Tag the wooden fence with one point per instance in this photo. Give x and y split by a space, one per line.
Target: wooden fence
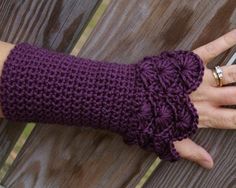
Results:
60 156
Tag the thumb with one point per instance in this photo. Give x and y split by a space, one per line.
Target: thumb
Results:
194 152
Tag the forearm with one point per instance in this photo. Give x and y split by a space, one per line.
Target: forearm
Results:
146 102
5 49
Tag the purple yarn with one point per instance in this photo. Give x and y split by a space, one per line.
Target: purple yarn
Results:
147 103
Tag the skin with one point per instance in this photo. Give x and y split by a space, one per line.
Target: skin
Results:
207 99
5 49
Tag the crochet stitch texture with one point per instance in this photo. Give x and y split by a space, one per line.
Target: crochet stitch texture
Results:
147 103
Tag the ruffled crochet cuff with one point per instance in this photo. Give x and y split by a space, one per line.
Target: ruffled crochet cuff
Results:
163 111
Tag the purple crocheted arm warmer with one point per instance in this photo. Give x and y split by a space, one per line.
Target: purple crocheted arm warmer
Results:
147 102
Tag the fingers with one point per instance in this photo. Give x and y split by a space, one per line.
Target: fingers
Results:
222 118
194 152
216 47
217 117
223 95
229 74
211 114
209 78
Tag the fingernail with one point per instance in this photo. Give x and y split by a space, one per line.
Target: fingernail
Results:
208 163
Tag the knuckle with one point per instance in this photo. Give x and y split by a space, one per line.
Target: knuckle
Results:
209 119
226 100
190 155
227 39
216 120
205 121
233 121
210 49
209 122
231 75
196 155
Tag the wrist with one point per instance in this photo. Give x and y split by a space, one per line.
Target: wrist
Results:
164 112
5 49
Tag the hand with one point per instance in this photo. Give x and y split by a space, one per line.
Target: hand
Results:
208 99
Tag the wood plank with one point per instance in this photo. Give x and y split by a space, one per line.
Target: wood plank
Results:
54 24
128 31
63 156
9 133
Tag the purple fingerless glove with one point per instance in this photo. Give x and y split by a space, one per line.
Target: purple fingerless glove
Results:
147 103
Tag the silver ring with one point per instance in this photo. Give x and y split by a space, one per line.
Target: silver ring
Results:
219 73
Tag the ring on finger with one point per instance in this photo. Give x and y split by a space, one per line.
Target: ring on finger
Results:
218 75
215 76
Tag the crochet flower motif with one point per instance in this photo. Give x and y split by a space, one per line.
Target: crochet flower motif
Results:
166 113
